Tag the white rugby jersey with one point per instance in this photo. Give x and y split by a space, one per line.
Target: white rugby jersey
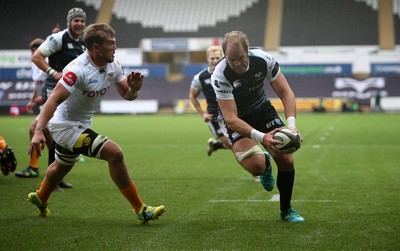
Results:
38 74
87 84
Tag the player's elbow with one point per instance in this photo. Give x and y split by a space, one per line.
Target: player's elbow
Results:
36 57
230 122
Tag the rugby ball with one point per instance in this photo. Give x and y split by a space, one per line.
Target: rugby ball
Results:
290 140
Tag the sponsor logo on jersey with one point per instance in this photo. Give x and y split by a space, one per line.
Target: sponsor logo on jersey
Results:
220 83
258 76
235 135
275 69
95 93
91 81
224 91
70 78
110 76
256 87
216 83
237 84
276 121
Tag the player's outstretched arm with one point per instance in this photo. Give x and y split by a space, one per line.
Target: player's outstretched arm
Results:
58 95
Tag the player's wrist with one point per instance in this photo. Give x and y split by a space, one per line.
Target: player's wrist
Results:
135 93
40 129
291 122
257 135
51 72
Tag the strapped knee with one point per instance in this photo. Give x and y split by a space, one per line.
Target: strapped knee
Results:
254 150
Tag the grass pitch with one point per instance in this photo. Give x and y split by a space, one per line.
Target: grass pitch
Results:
346 188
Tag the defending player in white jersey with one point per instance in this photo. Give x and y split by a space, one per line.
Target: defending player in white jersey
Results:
51 57
73 102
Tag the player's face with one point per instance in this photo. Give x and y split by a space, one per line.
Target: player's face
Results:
213 58
237 58
107 49
77 26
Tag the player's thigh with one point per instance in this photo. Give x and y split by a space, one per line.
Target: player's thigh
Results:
243 145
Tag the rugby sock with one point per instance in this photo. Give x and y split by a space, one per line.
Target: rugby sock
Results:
267 161
3 143
34 160
218 145
285 183
133 197
44 192
52 153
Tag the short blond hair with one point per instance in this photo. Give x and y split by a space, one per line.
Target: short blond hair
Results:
214 48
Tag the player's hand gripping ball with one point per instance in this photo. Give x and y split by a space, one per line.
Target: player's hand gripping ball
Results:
291 141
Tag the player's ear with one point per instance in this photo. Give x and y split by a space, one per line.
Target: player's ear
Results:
96 47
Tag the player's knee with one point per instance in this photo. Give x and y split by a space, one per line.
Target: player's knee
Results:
254 150
225 142
285 162
254 165
112 152
117 154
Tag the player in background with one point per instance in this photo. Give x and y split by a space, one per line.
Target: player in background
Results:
51 57
8 162
38 77
202 83
249 117
68 115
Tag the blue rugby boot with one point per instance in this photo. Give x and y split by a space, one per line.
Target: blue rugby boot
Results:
291 216
267 179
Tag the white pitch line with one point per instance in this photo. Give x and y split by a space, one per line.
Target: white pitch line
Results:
262 201
275 198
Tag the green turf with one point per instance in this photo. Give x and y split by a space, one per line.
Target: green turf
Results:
347 188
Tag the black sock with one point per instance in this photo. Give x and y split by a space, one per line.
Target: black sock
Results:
267 161
285 183
52 153
218 145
